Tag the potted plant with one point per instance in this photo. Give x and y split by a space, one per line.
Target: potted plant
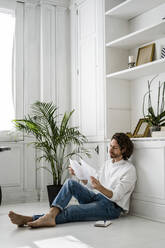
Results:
155 118
56 140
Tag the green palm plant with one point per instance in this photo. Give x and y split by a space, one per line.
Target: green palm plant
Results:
52 137
155 118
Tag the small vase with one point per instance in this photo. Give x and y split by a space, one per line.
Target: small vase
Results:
154 129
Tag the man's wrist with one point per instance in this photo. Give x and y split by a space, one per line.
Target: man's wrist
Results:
84 181
105 191
100 188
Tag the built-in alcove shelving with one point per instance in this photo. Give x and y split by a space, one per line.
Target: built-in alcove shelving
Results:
130 25
139 37
129 9
155 67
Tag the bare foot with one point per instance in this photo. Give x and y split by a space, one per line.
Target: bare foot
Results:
18 219
47 220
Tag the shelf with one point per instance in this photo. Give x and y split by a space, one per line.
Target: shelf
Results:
131 8
148 139
151 68
140 37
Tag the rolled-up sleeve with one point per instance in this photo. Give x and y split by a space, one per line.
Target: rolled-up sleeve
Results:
125 185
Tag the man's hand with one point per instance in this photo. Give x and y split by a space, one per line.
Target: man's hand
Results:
95 183
71 171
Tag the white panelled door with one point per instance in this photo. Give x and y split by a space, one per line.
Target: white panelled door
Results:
88 67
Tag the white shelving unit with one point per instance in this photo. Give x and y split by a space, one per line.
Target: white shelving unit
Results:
140 71
139 37
129 9
128 26
125 32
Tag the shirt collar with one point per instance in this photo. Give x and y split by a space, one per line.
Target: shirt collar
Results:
122 161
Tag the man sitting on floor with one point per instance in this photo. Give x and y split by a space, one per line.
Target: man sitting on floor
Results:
114 186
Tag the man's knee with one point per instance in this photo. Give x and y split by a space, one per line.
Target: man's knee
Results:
71 183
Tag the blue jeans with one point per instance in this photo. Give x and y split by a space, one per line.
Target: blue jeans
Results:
91 207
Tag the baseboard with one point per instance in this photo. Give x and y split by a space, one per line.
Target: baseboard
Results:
44 197
18 196
148 210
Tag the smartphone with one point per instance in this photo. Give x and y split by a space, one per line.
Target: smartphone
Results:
102 223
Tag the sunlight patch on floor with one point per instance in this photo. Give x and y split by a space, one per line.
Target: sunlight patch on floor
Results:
25 247
62 242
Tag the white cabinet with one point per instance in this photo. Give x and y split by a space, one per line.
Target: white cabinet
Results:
18 173
148 199
87 94
129 25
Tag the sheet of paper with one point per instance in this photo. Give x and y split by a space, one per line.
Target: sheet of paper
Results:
90 171
83 171
78 170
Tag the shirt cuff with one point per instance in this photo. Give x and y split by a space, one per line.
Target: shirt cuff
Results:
113 195
89 186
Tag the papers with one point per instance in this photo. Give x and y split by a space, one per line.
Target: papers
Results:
83 171
90 171
78 170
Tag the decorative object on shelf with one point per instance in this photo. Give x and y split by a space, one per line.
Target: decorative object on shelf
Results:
141 130
162 53
162 129
161 133
131 62
145 54
153 130
129 134
55 138
156 134
155 119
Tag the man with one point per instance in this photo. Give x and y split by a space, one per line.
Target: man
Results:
113 187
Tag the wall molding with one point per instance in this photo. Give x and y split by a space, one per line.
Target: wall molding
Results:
147 198
148 210
62 3
17 195
76 2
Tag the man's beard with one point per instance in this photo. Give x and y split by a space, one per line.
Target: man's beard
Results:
112 155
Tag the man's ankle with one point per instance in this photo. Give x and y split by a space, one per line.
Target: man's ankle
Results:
54 211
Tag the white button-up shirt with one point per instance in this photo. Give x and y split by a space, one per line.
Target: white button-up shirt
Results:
120 178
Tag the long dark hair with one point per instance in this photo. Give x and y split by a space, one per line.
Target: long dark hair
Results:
124 142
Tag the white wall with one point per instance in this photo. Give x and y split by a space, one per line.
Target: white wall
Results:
8 4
